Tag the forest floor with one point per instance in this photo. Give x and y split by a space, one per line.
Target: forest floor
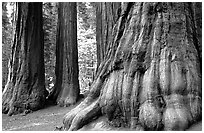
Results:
49 118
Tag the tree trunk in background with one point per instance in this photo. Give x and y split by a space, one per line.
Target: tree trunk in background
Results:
25 88
66 90
151 75
106 17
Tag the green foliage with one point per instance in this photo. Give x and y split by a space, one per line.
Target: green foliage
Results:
82 13
50 29
87 12
86 44
7 36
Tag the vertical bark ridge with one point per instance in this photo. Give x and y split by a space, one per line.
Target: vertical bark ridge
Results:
126 95
110 100
120 87
96 88
103 96
164 70
135 100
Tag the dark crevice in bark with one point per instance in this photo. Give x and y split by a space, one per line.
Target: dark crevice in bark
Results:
123 21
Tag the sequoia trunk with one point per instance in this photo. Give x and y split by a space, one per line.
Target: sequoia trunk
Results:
106 17
25 88
151 75
66 89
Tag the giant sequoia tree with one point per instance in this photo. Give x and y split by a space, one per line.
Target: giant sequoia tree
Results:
151 74
66 90
25 88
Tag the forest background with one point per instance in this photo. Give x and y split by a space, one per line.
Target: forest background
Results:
86 28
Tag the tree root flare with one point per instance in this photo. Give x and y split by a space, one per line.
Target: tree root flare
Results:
82 114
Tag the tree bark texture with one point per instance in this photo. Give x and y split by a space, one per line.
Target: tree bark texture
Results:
197 17
151 76
106 17
25 88
66 90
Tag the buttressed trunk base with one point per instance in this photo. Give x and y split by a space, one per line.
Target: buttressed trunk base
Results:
151 75
25 89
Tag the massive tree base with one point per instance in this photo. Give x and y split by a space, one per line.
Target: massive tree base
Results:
15 101
178 113
25 88
150 78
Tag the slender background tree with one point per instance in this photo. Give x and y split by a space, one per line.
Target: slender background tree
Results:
66 90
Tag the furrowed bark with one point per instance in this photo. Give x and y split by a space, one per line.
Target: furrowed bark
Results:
25 88
66 90
151 74
106 16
